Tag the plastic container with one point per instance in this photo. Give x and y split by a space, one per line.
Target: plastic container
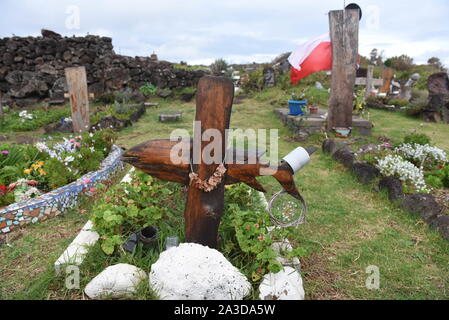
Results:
297 159
296 107
148 236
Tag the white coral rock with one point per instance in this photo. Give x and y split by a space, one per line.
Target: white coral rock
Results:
117 281
195 272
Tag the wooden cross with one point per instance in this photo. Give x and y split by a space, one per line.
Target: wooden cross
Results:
204 206
369 81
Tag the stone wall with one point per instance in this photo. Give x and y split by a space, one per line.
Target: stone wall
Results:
32 68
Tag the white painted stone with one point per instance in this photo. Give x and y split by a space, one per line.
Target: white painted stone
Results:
284 285
77 250
195 272
117 281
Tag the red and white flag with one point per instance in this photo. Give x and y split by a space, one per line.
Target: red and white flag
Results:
313 56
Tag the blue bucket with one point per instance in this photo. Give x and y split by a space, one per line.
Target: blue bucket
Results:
296 107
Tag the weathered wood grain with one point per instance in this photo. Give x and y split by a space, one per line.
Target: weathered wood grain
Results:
79 99
344 31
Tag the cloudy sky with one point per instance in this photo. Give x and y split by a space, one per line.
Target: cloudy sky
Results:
240 31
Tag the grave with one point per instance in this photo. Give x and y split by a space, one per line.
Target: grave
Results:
313 123
206 181
170 117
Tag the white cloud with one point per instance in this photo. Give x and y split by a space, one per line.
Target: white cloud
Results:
237 30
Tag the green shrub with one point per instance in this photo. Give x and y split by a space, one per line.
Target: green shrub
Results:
57 174
148 89
434 182
106 98
126 208
418 138
416 107
254 82
398 102
439 178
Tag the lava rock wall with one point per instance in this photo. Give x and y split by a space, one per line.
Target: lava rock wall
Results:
32 68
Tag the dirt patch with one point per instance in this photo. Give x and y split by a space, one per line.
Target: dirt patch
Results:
324 281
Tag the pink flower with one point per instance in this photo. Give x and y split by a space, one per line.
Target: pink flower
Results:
5 152
87 181
130 202
77 144
72 140
32 182
92 190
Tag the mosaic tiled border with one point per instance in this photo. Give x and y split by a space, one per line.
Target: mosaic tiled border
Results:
53 203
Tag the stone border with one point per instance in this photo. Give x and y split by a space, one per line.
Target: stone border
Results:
423 205
57 201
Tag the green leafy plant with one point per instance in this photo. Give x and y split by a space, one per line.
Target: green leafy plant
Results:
148 89
126 208
244 229
419 138
398 102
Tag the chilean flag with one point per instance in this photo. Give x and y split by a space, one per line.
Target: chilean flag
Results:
313 56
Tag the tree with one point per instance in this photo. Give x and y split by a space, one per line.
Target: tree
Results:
436 62
401 63
219 67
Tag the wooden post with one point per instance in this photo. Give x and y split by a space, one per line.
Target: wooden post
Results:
204 209
344 31
79 99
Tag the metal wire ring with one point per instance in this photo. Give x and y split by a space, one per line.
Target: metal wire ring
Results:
296 222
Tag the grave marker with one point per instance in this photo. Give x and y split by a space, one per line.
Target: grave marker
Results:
79 98
206 181
344 31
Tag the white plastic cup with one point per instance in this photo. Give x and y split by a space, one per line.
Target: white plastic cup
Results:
297 159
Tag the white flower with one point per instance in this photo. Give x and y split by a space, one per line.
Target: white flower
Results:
25 115
394 165
422 153
69 159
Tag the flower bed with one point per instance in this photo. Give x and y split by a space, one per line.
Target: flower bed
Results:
54 202
412 172
28 171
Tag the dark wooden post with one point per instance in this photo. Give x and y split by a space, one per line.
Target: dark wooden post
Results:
344 32
204 209
79 99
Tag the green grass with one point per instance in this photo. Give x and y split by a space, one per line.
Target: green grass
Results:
12 122
349 227
28 262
